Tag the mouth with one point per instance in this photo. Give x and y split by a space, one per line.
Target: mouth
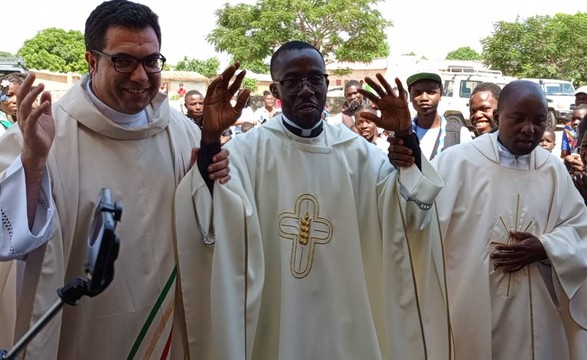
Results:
136 91
307 107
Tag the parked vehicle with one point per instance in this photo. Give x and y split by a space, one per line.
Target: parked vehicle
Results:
560 95
458 84
12 64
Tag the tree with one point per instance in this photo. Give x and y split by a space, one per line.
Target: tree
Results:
540 47
55 50
6 54
250 84
208 68
464 53
343 30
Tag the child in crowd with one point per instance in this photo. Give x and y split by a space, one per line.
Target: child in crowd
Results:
548 139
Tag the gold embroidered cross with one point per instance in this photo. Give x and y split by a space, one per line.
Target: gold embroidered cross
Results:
305 228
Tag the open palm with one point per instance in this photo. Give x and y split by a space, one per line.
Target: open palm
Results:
219 114
36 124
395 114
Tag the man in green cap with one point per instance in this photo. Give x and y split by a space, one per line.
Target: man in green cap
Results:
433 130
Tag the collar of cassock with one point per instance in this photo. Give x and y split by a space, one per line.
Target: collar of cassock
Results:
306 133
507 159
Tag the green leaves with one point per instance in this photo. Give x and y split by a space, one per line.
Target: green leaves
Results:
55 50
540 47
464 53
343 30
208 68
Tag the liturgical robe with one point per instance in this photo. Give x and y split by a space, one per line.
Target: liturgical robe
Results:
535 313
142 167
311 259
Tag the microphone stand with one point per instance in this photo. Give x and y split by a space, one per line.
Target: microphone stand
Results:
72 292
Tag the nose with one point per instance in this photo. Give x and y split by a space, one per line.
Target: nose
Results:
305 89
139 74
528 128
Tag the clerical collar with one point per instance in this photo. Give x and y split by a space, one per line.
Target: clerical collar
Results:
306 133
509 160
127 121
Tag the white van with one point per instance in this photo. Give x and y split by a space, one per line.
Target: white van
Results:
560 95
458 85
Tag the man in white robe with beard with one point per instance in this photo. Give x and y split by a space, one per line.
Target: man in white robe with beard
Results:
515 237
311 258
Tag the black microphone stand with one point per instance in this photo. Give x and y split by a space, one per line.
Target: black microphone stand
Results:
72 292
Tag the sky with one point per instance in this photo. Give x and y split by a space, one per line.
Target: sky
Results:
430 28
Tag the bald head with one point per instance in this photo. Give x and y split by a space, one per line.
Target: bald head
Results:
521 88
521 114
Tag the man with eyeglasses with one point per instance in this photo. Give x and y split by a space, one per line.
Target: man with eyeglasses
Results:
113 129
311 259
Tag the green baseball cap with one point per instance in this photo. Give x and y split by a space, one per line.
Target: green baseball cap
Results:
424 76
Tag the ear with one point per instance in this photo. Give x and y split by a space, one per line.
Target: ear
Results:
274 91
92 62
496 117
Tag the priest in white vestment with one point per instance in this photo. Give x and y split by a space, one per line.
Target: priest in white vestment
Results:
310 259
113 129
515 238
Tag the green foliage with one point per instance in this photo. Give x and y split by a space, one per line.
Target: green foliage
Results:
250 84
55 50
343 30
208 68
540 47
464 53
6 54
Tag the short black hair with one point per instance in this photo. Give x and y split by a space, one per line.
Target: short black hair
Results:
551 131
191 93
121 13
288 46
493 88
352 83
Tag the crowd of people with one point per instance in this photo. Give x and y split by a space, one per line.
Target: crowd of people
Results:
285 233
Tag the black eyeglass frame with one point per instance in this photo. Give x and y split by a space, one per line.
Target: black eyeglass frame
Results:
115 58
300 81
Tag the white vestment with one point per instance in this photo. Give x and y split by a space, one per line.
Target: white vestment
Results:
311 259
534 313
142 167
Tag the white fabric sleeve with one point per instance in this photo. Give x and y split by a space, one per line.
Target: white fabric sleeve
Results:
418 190
16 239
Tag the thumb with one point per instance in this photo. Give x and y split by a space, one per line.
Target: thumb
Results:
194 157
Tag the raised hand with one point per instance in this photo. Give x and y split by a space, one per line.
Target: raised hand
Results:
395 114
219 114
36 124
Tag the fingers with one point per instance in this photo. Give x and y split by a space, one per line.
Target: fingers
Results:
229 72
237 83
219 168
385 84
371 117
194 156
241 101
400 88
368 95
375 87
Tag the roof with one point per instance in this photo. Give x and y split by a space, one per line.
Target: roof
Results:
183 76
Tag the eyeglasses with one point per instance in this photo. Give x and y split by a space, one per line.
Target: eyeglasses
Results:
126 64
296 83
